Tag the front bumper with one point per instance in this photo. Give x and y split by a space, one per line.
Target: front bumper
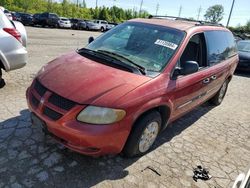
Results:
93 140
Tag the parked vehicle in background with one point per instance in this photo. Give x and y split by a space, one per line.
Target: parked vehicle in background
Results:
13 54
98 25
244 55
74 23
36 19
47 19
110 26
120 91
64 22
14 16
7 13
26 19
82 25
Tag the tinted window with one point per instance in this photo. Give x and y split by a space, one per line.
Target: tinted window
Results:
53 16
221 46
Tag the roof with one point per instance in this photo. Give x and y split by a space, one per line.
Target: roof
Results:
177 24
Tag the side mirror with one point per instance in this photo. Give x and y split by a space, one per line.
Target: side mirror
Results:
91 39
188 67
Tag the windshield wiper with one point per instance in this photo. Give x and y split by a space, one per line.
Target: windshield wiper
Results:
141 68
109 60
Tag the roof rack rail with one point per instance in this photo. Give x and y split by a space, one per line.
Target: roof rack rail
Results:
198 22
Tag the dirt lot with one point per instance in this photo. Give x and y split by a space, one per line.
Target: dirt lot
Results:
216 138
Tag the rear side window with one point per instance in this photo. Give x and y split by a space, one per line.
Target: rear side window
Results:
4 21
232 44
221 46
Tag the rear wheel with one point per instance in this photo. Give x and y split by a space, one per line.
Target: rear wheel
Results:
143 134
87 28
102 29
218 98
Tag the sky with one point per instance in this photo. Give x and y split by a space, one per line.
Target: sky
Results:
240 14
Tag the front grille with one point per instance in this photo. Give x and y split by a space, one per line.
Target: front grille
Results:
61 102
50 98
34 100
52 114
40 89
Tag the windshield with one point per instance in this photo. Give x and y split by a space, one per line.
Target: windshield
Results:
146 45
244 46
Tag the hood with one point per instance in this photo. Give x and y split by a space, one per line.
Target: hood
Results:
88 82
244 55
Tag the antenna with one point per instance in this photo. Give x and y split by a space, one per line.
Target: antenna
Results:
180 9
157 8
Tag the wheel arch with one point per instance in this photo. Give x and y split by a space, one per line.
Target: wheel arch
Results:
164 111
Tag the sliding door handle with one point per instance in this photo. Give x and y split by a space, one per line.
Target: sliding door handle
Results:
213 77
206 81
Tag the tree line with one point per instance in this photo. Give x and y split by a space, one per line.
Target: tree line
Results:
71 10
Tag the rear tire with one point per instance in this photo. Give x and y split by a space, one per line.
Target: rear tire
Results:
218 98
143 134
102 29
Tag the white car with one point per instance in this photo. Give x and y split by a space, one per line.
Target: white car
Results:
242 181
64 23
7 13
13 39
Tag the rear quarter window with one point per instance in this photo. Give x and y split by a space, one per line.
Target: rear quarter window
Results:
221 46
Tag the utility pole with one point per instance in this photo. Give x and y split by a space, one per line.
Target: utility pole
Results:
77 3
96 3
140 8
179 15
157 8
199 13
230 13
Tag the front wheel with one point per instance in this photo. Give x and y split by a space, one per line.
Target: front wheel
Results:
218 98
2 82
143 134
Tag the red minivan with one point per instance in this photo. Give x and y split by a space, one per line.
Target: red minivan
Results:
116 94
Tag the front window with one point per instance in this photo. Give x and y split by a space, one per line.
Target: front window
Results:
147 45
244 46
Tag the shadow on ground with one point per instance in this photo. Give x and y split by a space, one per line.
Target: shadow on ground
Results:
34 160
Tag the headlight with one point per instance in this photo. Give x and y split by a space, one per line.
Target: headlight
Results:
100 115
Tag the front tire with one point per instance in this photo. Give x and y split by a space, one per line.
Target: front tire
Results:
2 82
218 98
143 134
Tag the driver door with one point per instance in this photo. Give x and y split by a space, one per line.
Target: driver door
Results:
191 89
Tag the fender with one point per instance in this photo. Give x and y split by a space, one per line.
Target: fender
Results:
154 103
4 61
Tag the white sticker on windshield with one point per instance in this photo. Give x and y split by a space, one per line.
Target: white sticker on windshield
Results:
166 44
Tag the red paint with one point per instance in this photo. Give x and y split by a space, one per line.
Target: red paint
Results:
90 83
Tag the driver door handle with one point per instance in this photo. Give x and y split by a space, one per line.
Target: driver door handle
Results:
206 81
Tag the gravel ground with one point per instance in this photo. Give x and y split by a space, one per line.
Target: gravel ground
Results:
216 138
